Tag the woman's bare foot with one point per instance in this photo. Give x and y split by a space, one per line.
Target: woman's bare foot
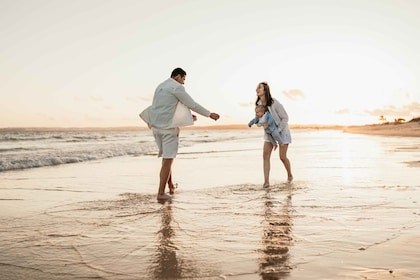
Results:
163 197
266 185
289 179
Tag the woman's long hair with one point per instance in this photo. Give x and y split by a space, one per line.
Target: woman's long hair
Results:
268 97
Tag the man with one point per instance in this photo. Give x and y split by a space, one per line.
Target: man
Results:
167 95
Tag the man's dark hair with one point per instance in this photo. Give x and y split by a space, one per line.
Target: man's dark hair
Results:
178 71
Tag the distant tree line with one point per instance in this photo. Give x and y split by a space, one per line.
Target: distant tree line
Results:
398 120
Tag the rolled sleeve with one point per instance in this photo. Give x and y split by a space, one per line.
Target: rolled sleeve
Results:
187 100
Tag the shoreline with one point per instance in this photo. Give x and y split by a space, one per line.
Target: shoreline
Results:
408 129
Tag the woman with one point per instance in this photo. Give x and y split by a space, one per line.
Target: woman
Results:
281 119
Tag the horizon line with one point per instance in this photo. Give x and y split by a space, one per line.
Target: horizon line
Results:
141 128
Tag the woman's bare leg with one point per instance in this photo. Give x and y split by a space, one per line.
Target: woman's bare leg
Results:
268 147
286 161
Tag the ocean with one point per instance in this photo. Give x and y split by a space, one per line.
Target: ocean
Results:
24 149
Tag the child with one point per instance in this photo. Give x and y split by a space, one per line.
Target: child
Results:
265 119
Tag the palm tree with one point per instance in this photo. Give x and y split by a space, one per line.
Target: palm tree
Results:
382 119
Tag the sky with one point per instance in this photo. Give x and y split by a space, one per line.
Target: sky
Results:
96 63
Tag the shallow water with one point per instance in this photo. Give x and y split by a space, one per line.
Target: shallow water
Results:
352 212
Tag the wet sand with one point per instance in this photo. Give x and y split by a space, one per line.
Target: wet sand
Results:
347 215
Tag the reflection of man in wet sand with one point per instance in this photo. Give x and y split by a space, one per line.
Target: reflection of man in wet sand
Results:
166 264
276 239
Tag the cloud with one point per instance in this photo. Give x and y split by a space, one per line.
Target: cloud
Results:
246 104
412 109
97 98
294 94
137 99
343 111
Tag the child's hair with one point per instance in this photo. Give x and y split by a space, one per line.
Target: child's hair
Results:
261 107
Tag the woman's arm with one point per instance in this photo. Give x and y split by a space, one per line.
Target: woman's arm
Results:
281 113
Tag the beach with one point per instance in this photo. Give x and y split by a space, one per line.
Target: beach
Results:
409 129
352 211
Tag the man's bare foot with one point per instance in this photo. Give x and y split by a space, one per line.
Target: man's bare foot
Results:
163 197
172 188
289 179
266 185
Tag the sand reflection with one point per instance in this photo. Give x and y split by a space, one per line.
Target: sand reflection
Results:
166 263
276 239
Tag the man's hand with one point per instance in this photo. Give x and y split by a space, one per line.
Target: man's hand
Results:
214 116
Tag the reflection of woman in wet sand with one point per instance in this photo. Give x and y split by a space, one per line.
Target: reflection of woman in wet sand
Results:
277 239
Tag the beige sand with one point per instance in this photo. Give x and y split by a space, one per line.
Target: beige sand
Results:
410 129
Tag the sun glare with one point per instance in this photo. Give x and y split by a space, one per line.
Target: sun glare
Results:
335 69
